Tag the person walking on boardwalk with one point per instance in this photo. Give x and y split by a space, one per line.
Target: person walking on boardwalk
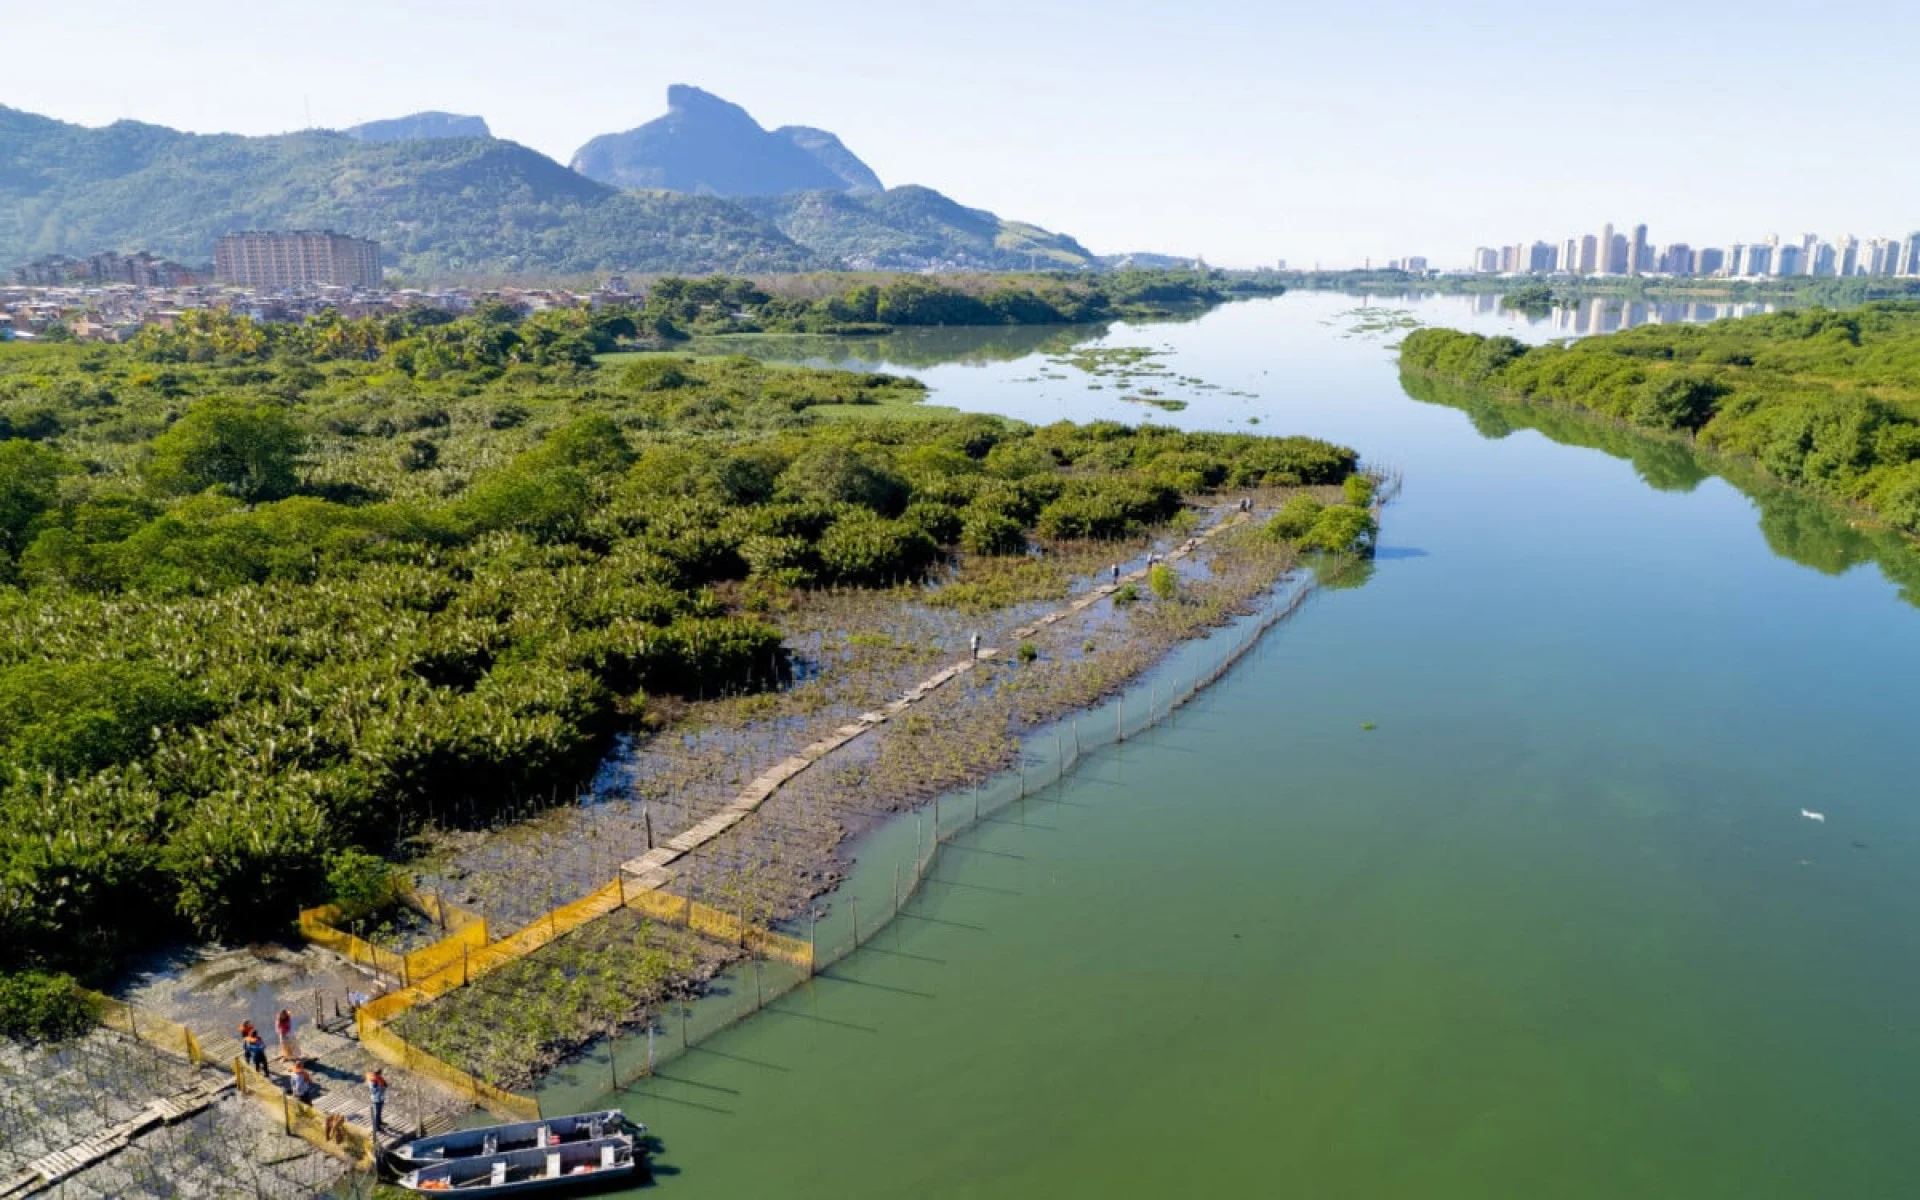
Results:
254 1048
1115 569
973 644
283 1025
377 1092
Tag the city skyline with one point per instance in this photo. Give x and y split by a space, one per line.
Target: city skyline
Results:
1631 251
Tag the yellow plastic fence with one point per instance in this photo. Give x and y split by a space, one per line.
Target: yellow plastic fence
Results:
156 1031
392 1048
465 955
316 925
720 925
468 932
303 1120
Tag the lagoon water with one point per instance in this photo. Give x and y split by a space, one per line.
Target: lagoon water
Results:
1554 927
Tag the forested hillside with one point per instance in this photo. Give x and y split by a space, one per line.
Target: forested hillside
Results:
440 206
907 228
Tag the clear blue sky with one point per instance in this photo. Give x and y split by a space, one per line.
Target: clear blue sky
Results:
1244 131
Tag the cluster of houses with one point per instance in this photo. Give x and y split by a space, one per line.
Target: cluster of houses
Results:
116 312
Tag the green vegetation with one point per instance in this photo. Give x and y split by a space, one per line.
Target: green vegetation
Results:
447 206
1307 524
37 1006
1821 400
717 306
1163 581
1533 299
273 594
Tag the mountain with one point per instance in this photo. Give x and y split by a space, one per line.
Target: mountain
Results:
456 205
421 125
833 155
707 145
438 207
915 228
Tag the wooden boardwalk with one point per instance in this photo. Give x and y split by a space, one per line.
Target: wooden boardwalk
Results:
49 1169
654 868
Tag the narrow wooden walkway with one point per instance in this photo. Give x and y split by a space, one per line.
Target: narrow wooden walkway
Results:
654 868
50 1169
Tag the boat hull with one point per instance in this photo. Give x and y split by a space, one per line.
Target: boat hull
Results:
596 1163
516 1135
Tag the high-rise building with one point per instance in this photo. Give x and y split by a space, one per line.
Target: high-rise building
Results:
1910 255
1849 256
1540 259
1486 260
1639 254
1677 259
1825 260
1788 261
1617 258
1760 258
1415 265
1603 247
1883 256
1570 255
1506 260
1809 242
1709 260
301 259
1589 255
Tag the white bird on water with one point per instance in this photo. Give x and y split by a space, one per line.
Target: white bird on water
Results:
1810 815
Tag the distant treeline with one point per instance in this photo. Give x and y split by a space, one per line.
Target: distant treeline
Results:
864 305
1823 400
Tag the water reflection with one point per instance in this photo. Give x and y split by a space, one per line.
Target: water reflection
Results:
1610 314
1796 527
932 347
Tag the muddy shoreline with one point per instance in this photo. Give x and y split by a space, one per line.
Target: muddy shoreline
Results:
780 866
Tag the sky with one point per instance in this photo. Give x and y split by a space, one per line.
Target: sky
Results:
1328 133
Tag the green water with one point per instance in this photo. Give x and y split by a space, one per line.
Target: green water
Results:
1555 927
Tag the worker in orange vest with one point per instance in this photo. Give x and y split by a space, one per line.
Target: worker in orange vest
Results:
377 1090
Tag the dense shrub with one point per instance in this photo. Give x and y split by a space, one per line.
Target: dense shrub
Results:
244 648
1295 518
38 1006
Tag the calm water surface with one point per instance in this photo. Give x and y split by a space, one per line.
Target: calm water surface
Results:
1555 927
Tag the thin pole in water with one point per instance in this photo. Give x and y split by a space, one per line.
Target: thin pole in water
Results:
855 905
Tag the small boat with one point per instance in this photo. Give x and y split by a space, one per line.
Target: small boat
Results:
596 1161
520 1135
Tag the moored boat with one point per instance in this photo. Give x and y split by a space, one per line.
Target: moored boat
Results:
519 1135
596 1161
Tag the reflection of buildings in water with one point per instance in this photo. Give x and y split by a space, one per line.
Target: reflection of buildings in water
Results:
1486 302
1611 314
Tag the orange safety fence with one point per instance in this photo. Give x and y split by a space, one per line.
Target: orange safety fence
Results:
156 1031
335 1135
